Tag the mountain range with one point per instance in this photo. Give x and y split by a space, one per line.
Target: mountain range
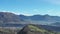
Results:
11 18
41 24
41 19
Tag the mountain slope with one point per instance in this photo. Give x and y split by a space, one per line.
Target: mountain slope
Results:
6 17
31 29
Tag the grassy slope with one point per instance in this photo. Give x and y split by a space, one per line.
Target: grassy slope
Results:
34 28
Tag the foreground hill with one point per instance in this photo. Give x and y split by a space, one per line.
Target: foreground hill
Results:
32 29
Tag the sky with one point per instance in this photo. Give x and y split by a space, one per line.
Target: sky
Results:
31 7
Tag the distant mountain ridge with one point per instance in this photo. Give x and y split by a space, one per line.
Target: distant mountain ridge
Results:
7 17
41 18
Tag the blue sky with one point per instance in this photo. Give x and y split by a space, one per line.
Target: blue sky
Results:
31 7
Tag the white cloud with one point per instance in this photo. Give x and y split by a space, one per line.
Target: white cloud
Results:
30 12
36 10
53 12
53 1
15 12
27 14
